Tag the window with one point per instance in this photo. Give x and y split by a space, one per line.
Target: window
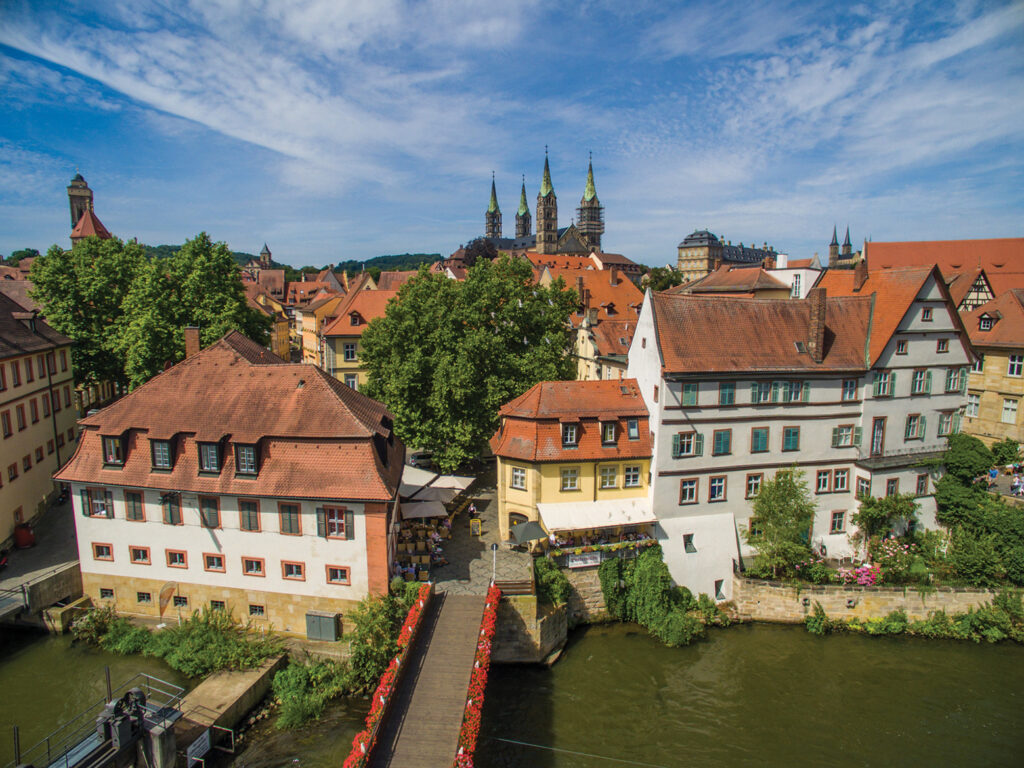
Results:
722 443
209 512
849 389
892 486
171 504
901 347
3 378
19 410
213 562
791 438
26 462
63 360
760 392
608 433
349 351
256 610
863 488
973 404
838 524
39 454
293 571
518 478
12 471
688 491
688 546
884 383
926 314
56 400
633 429
841 480
791 391
177 558
569 435
945 423
334 523
716 488
143 598
106 593
133 509
570 478
631 475
16 373
986 324
843 436
655 393
921 382
217 605
795 291
139 555
942 345
46 403
687 444
248 515
759 440
690 393
978 364
956 379
922 485
823 484
180 601
60 441
337 574
102 552
608 476
67 396
291 525
1015 366
28 370
42 365
352 381
209 457
97 502
33 409
1009 411
161 450
5 419
245 459
49 447
915 427
252 566
754 485
726 393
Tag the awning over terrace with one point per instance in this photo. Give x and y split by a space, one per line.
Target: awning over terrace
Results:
611 513
418 509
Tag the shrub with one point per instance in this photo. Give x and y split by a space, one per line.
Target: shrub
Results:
895 623
376 621
974 558
91 626
678 628
304 688
1006 452
818 623
895 557
815 570
552 583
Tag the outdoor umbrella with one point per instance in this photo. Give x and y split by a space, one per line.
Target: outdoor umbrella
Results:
528 532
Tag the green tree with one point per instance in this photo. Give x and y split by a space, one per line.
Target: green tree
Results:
1006 452
663 278
877 516
81 292
23 253
447 354
782 517
966 458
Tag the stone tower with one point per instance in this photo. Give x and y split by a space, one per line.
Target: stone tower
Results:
547 213
524 221
265 260
847 246
590 214
79 198
492 219
833 249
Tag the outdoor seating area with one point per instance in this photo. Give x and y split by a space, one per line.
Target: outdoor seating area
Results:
420 546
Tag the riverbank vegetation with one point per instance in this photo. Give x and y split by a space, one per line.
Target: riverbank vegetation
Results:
640 590
1002 619
208 641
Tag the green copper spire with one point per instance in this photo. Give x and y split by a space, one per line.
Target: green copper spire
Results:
590 192
545 184
494 197
523 207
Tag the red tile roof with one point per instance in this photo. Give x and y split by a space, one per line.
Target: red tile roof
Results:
300 294
799 264
90 225
316 436
393 280
960 284
698 333
561 261
616 302
1002 282
16 334
613 337
367 305
531 424
727 279
1008 330
1000 254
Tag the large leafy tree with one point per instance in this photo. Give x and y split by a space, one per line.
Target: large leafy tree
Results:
81 292
663 278
783 512
447 355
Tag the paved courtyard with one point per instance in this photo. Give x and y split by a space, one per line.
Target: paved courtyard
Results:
470 557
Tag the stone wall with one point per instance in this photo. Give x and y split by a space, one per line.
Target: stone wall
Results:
527 633
756 600
586 603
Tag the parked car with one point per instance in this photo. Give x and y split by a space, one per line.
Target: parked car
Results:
421 459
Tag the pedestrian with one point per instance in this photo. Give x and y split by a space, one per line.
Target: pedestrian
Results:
472 510
992 475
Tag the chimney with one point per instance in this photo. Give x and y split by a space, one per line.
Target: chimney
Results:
191 341
860 274
769 262
816 326
614 276
592 315
579 287
586 300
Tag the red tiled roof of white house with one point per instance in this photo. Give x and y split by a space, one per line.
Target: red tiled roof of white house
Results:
316 438
993 255
999 323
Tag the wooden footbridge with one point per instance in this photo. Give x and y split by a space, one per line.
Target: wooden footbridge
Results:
422 726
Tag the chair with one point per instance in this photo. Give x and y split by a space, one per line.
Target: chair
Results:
409 577
403 547
424 575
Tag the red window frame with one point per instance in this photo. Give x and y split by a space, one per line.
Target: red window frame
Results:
167 558
223 562
280 518
327 520
132 548
110 549
263 566
348 575
284 570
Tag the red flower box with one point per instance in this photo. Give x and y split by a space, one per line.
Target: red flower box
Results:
478 682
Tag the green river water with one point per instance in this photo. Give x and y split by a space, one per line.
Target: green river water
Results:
754 695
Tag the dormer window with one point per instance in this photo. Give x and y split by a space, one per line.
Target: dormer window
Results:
986 323
355 318
570 435
633 429
161 450
245 459
113 451
209 457
608 433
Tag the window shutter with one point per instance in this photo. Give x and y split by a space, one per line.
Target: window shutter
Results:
676 445
876 382
775 391
857 433
85 503
805 391
949 379
892 384
956 423
109 498
963 380
753 392
321 522
921 430
835 437
928 383
906 430
698 444
350 523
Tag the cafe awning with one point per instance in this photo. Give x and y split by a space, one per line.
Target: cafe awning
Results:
412 510
610 513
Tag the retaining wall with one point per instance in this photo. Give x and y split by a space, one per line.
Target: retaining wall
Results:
525 633
586 602
756 600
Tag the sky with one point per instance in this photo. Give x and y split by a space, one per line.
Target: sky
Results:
347 129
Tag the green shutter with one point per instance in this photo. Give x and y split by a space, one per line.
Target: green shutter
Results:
963 380
928 383
835 437
949 379
676 439
775 391
109 498
85 503
753 392
321 522
956 423
350 520
857 434
698 444
875 384
906 430
805 391
922 429
892 384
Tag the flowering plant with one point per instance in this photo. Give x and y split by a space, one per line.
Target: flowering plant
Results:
611 547
865 575
894 556
366 739
478 682
815 570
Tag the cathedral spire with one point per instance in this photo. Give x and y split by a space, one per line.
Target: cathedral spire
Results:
835 237
523 206
590 214
846 240
524 221
547 212
493 207
492 219
546 187
590 192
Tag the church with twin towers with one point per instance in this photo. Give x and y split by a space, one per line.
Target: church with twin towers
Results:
582 236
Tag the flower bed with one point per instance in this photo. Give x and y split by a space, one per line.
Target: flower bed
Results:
365 740
558 551
478 682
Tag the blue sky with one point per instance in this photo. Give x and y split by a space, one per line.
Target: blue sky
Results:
336 130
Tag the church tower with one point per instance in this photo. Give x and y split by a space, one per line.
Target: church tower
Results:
265 262
523 220
79 198
833 249
547 213
492 219
590 214
847 246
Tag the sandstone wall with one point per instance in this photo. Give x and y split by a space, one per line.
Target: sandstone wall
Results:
527 633
586 603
